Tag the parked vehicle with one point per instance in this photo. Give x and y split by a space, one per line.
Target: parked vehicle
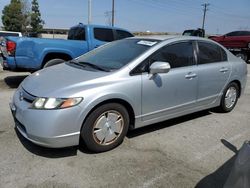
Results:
10 33
238 42
125 84
2 42
194 32
31 54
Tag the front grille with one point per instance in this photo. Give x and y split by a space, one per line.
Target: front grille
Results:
27 96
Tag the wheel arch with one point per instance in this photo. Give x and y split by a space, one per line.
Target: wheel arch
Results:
123 102
238 84
55 55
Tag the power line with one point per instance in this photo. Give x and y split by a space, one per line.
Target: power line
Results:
205 9
221 10
166 8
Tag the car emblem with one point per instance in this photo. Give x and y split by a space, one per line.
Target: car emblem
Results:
21 96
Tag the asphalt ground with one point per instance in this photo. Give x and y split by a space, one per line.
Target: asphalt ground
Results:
191 151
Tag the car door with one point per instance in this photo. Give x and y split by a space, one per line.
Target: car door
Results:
213 72
170 93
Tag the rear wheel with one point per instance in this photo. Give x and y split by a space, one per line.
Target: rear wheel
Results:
105 128
229 97
53 62
242 55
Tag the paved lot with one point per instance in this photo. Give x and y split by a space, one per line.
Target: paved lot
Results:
184 152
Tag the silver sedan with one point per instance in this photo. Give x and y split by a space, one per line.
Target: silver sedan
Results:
124 85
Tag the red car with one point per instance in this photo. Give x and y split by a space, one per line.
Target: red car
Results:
238 42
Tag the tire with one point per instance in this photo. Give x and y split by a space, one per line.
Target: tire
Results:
105 127
53 62
242 55
230 94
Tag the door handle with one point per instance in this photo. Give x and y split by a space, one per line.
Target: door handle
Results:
96 46
223 69
190 75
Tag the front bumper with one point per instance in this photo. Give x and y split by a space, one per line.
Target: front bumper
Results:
48 128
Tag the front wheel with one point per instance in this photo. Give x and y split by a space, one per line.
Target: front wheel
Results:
105 128
229 97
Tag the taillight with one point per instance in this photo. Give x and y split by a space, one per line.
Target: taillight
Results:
11 47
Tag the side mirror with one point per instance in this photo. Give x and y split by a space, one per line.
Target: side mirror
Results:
159 67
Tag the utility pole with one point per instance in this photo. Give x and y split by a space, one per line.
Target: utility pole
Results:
205 9
113 12
89 14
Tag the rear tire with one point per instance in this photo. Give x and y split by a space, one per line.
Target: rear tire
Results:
229 97
53 62
105 128
242 55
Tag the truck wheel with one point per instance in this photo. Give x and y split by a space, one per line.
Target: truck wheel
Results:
53 62
242 55
105 128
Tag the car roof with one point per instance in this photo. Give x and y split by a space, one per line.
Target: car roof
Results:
167 37
98 26
240 31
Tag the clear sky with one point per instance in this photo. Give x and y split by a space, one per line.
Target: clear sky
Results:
153 15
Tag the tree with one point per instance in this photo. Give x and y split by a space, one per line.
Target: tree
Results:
26 9
36 20
11 16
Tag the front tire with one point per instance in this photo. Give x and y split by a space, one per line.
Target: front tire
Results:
105 128
229 97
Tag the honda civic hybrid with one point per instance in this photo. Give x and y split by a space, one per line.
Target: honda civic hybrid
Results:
97 97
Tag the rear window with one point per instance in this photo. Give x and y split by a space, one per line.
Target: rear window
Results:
103 34
120 34
244 33
9 34
238 33
77 33
210 53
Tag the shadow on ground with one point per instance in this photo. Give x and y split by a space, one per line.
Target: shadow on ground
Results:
14 81
165 124
218 178
46 152
71 151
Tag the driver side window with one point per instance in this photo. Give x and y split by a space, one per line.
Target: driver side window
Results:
177 55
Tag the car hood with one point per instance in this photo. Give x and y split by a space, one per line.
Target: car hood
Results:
62 80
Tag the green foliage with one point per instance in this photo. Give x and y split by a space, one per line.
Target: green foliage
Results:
26 8
11 16
19 15
36 20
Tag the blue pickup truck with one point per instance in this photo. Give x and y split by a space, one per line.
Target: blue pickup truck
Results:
31 54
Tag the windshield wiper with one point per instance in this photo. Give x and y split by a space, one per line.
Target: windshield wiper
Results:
84 64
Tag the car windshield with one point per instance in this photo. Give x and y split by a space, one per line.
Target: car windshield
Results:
117 54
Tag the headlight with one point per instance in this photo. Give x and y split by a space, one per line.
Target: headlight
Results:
55 103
